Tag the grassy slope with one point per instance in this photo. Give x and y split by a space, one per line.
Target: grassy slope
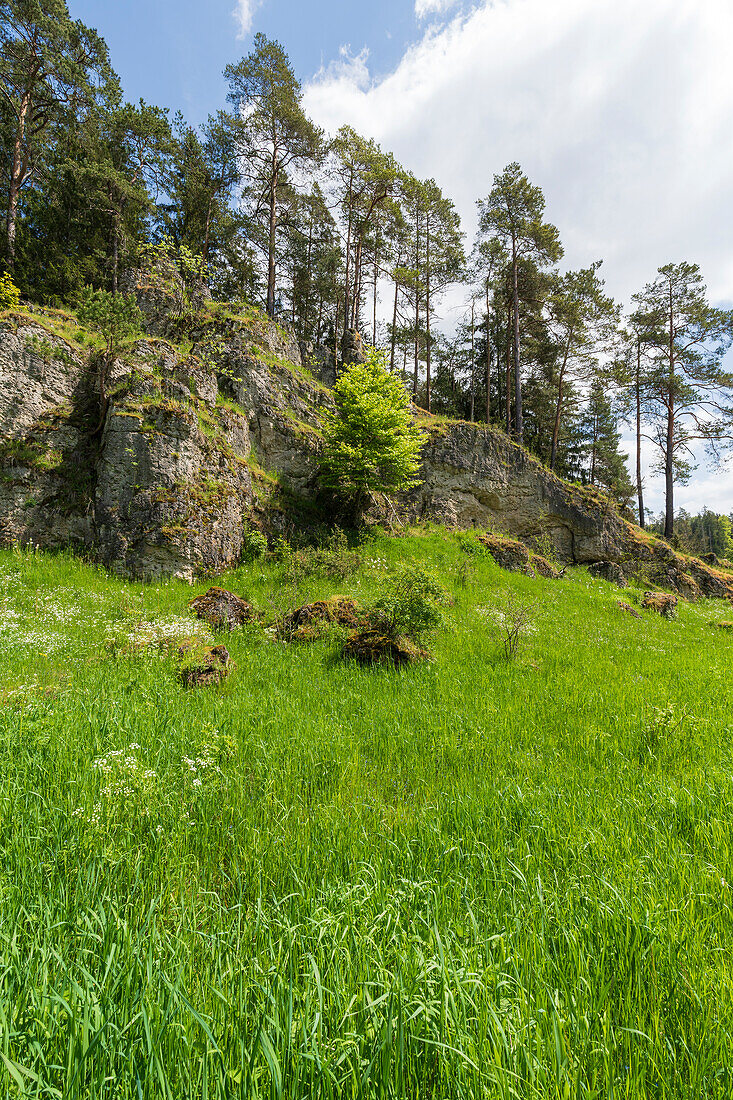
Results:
469 878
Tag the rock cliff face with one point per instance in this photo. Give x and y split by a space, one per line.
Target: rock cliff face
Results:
212 433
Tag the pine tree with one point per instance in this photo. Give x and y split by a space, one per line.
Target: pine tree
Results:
50 68
513 212
272 136
691 392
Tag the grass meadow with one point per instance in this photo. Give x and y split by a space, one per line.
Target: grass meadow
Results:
472 877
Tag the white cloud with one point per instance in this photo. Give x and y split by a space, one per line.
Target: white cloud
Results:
620 111
432 7
243 15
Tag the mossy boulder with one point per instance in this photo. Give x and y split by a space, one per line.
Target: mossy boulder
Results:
221 609
307 622
204 666
514 556
664 603
374 647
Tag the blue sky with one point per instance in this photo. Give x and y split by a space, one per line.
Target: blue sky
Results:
173 52
621 111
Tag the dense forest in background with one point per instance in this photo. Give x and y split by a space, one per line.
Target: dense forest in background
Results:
330 233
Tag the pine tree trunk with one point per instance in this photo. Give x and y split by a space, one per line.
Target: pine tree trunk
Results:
639 487
473 351
16 179
374 300
205 250
669 447
417 299
309 263
348 255
271 243
488 359
115 253
519 424
558 408
356 301
394 328
508 371
427 313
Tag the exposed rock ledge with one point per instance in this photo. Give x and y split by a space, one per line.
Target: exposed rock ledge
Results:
195 447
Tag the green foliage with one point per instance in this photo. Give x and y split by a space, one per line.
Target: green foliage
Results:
178 271
372 444
9 293
410 604
254 546
116 317
335 560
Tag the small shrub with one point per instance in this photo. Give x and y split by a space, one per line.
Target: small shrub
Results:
410 605
9 293
515 620
668 737
335 560
254 546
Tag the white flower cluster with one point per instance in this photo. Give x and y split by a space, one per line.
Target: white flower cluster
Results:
203 766
162 633
37 627
126 786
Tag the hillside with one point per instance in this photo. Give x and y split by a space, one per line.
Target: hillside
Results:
472 877
213 428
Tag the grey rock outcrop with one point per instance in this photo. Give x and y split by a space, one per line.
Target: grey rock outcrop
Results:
352 347
608 571
203 439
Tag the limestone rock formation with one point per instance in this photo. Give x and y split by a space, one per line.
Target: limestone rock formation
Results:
216 428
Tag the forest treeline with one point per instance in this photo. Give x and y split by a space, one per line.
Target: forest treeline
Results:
330 232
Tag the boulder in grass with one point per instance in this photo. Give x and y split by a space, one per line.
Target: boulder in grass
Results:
336 609
507 553
514 556
664 603
221 609
373 647
543 568
204 666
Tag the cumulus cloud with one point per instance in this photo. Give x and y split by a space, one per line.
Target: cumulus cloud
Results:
424 8
620 111
243 15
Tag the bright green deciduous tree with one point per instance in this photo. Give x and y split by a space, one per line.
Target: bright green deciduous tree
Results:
372 442
9 293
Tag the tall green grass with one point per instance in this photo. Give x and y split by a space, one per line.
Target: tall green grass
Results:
469 878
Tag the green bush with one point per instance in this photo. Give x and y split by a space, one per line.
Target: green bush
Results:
254 546
9 293
410 605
